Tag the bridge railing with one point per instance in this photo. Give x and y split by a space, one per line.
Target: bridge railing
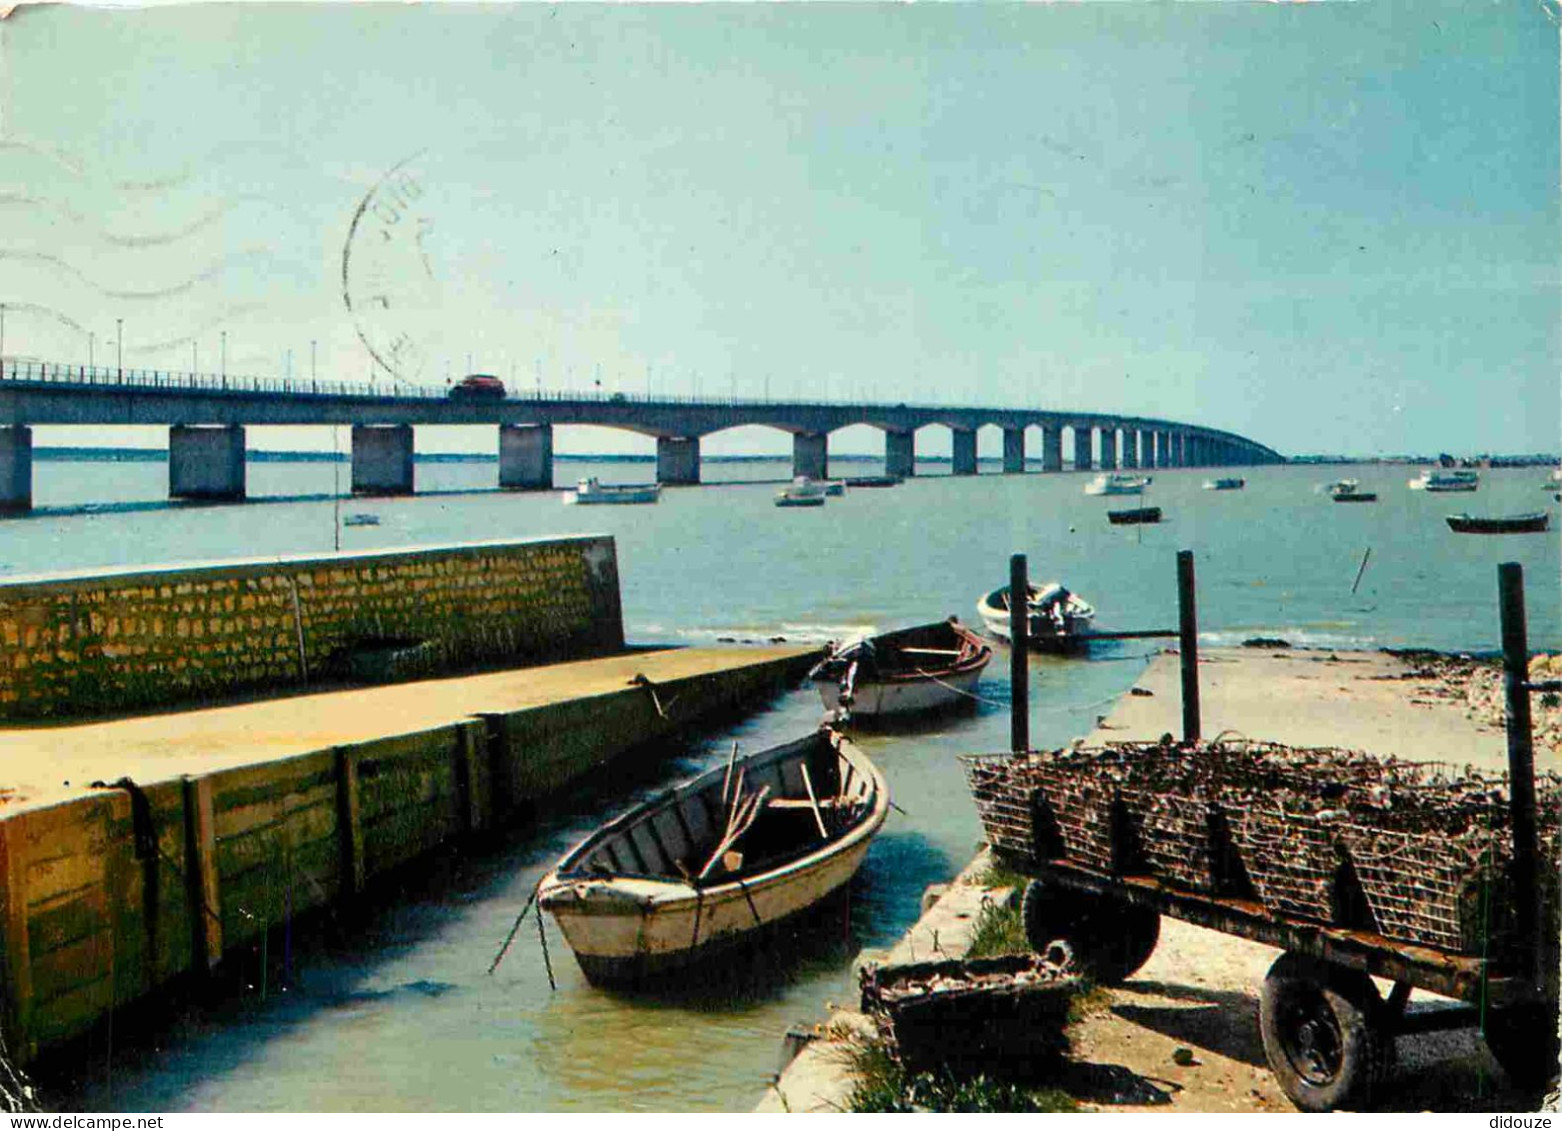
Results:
37 371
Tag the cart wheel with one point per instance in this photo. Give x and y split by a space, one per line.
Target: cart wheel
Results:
1523 1038
1108 939
1323 1032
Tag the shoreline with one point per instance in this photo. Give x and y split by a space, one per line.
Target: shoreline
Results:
1198 993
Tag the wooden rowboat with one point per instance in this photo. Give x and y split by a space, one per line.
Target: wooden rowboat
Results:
717 861
914 669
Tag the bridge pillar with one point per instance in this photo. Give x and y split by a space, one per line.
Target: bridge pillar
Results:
16 469
1014 451
1052 447
1130 449
382 459
1082 455
963 451
1179 448
811 454
1109 449
206 461
525 457
1163 455
900 454
678 460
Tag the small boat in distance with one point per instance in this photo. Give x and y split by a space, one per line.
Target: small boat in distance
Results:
1435 479
834 488
592 491
914 669
801 492
361 520
1507 524
873 481
1115 484
1349 491
1056 619
1232 483
1137 516
718 860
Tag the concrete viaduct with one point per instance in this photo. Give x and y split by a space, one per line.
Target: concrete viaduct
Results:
206 416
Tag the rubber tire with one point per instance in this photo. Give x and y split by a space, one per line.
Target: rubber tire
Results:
1523 1039
1366 1046
1108 938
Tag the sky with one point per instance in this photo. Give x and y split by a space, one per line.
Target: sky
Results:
1331 227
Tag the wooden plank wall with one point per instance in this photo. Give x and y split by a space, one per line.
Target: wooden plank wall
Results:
105 898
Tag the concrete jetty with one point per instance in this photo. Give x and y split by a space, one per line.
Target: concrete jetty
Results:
183 821
244 815
1181 1034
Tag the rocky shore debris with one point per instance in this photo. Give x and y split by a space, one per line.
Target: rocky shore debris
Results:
1475 684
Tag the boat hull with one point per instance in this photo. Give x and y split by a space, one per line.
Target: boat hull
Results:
1044 634
619 945
902 697
633 901
1139 516
799 500
1536 523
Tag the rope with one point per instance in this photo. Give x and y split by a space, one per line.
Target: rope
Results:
547 963
514 927
1000 704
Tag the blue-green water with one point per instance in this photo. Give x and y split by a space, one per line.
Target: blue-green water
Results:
395 1011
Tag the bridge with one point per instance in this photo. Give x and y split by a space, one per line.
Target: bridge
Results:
206 415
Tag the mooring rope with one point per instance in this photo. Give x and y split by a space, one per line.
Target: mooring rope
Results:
1000 704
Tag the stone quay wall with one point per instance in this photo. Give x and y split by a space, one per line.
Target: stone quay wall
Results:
119 640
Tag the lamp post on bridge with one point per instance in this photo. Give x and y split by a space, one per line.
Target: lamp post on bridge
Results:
312 344
119 344
92 340
225 355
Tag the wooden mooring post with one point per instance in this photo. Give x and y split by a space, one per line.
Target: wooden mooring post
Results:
1019 655
1188 644
1521 761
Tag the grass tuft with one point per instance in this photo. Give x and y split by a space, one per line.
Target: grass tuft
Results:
883 1085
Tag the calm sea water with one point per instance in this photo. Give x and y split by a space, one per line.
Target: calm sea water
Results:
393 1009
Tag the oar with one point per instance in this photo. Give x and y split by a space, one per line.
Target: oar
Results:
813 801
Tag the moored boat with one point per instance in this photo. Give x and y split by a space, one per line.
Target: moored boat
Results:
873 481
1499 524
1056 619
1230 483
834 488
924 668
1115 484
1137 516
1349 491
1437 479
361 519
718 860
593 491
802 492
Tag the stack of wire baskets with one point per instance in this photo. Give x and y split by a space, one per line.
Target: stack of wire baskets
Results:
1415 852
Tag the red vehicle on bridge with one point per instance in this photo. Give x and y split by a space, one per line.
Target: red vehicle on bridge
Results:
478 387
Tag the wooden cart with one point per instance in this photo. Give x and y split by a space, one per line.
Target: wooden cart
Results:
1328 1032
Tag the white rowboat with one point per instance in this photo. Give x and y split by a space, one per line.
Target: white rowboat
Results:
668 884
924 668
